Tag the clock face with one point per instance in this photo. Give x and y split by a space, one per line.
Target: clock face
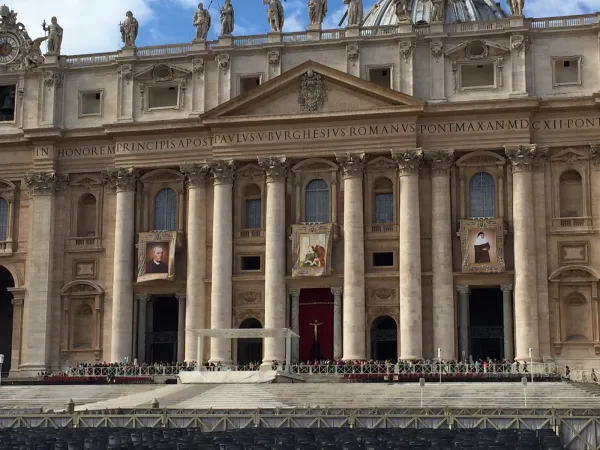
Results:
9 48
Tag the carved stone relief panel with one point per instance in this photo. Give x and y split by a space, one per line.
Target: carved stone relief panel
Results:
85 269
573 252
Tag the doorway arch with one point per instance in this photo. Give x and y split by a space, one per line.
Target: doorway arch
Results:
250 349
6 317
384 339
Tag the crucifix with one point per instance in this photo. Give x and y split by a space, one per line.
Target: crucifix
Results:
316 326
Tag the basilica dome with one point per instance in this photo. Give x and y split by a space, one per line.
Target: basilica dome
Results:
383 12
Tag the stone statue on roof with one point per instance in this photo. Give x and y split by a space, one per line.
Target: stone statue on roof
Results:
55 36
129 30
403 9
516 7
317 9
227 19
275 15
355 12
202 22
438 8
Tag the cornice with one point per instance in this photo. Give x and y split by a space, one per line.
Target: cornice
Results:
150 127
399 111
486 106
43 133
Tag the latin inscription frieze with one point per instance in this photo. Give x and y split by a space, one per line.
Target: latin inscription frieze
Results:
323 133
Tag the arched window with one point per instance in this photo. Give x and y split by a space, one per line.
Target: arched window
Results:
252 204
86 216
317 202
3 219
571 194
165 210
482 202
384 201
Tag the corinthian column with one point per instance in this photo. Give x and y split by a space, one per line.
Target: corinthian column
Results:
275 299
525 296
337 323
43 187
195 311
441 254
411 326
353 333
124 181
222 258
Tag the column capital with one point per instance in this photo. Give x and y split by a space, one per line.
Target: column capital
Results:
441 161
196 174
275 167
521 157
463 288
45 183
222 171
352 164
180 297
17 302
143 298
337 291
595 154
506 287
409 161
294 292
121 179
17 293
540 158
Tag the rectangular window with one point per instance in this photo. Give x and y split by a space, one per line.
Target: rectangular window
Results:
249 83
477 75
384 208
90 103
250 263
253 219
163 97
383 259
7 103
381 76
567 71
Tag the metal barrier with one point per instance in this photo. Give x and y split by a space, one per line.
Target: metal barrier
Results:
578 429
333 369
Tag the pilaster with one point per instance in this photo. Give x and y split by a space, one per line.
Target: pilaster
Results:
295 322
224 78
198 86
275 169
51 96
353 59
43 187
442 163
274 60
125 92
180 327
17 301
337 323
221 310
463 321
197 228
352 166
411 316
541 253
438 74
406 82
507 314
519 45
522 159
143 300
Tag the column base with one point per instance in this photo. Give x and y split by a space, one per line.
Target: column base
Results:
224 363
29 370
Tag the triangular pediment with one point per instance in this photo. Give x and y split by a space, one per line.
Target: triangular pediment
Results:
311 89
161 72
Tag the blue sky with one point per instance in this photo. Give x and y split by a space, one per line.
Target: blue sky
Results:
92 26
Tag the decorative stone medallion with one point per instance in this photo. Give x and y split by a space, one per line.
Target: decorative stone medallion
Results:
313 91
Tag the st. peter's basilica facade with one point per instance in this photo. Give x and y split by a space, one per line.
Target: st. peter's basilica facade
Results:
422 179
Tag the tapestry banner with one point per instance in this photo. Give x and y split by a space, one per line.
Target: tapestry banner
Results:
311 246
482 243
156 256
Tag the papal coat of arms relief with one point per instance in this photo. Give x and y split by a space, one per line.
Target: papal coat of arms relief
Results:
313 92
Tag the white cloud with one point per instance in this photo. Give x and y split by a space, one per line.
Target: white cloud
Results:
553 8
89 25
